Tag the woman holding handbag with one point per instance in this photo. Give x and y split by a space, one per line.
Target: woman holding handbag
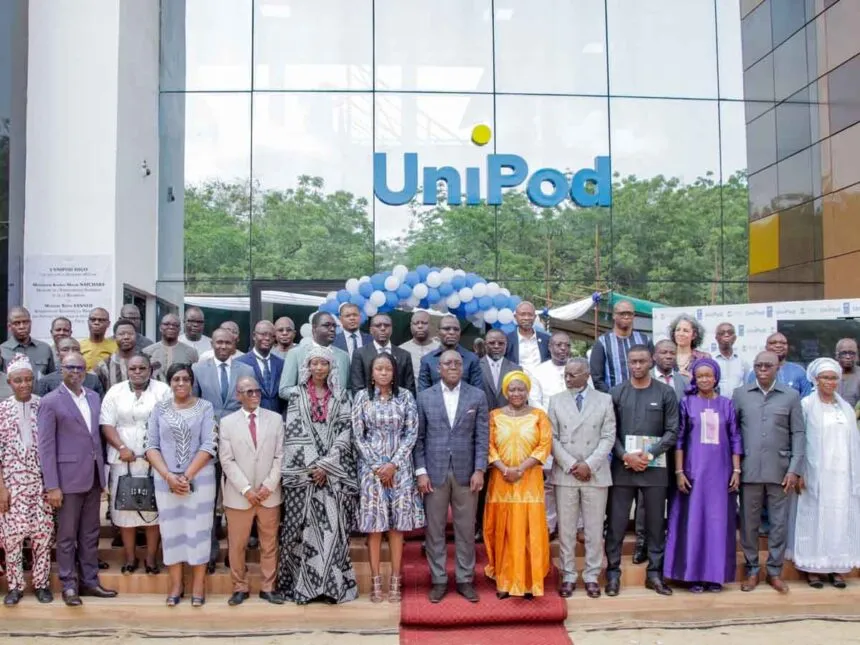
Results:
124 414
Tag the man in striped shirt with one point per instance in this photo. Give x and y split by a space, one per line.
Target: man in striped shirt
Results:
609 354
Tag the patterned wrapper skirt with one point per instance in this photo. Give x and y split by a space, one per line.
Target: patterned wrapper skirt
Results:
186 520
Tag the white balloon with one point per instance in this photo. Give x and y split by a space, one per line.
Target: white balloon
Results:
441 307
331 295
434 279
493 289
505 292
306 330
370 308
506 316
453 301
400 271
392 282
420 291
491 315
447 273
364 278
466 294
377 298
412 301
352 285
479 290
460 273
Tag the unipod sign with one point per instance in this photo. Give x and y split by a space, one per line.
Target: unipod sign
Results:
545 187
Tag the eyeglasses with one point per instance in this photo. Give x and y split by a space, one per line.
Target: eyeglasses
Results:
827 378
138 368
847 353
763 366
251 392
74 368
193 321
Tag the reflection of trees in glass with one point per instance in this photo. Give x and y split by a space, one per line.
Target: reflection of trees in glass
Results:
664 243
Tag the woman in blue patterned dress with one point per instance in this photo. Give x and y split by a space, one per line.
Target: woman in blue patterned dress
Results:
385 427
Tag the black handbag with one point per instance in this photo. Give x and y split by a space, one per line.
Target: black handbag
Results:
135 493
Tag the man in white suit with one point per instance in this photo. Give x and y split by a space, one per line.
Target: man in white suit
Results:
251 448
583 433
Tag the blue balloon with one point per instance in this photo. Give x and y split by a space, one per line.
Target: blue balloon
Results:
391 298
446 289
343 295
497 325
471 307
485 302
363 317
412 278
514 300
404 291
433 295
365 289
458 281
357 299
471 279
509 328
460 311
378 281
330 307
422 270
384 309
500 301
424 304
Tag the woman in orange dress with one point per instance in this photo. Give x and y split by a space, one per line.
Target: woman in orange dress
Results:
515 530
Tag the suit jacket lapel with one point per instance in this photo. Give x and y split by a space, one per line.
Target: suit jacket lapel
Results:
439 385
461 406
73 408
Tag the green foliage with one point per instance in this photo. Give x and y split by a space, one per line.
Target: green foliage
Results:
663 240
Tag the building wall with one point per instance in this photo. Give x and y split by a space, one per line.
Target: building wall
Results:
802 80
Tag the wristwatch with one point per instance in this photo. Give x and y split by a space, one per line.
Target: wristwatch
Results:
246 489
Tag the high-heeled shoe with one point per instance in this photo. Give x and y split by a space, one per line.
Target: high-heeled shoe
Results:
394 593
127 569
376 589
153 570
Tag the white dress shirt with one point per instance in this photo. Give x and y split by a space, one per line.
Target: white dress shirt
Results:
348 337
529 350
202 344
83 406
382 348
261 361
549 378
451 397
659 376
733 373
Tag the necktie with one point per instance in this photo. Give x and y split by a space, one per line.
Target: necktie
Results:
225 380
354 337
579 401
252 426
267 374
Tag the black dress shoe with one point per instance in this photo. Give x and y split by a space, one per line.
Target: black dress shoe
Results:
103 565
640 553
13 597
659 586
437 592
272 596
613 587
467 590
71 598
98 592
210 568
238 598
566 589
44 596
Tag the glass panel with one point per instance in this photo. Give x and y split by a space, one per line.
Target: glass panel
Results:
321 45
566 134
794 179
537 51
730 49
845 167
843 95
206 45
758 88
792 125
796 233
756 34
761 141
735 202
789 66
662 48
456 55
842 23
438 128
217 142
763 192
666 210
313 175
786 16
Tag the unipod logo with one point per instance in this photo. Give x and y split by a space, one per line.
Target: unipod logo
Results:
545 187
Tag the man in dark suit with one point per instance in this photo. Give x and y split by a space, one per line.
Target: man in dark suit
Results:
351 339
266 364
449 334
526 346
494 367
380 330
73 468
52 381
450 457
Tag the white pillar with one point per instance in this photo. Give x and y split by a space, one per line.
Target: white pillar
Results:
92 114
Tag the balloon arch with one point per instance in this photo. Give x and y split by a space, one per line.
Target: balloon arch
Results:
465 295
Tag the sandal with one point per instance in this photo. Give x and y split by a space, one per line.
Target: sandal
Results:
697 587
129 568
837 581
376 589
394 588
814 581
198 601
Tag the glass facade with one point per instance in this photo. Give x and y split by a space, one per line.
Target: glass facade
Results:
802 80
274 109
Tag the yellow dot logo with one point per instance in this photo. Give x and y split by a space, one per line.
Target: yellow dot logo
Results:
481 134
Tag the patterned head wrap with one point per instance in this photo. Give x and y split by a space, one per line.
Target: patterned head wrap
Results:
325 353
703 362
820 365
19 363
516 375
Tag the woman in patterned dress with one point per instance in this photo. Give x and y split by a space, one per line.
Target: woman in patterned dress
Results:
320 488
180 445
24 512
385 427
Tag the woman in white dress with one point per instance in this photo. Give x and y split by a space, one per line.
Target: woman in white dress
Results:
826 539
125 412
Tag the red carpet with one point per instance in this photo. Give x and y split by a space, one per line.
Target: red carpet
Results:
455 621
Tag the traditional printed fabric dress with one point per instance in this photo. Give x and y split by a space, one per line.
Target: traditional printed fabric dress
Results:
29 514
314 541
385 431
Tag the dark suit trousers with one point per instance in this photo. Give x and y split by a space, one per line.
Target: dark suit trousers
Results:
620 500
671 491
753 498
78 537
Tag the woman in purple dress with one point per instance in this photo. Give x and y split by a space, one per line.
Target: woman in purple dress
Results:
701 547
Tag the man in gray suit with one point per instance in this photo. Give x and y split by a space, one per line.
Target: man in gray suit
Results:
450 459
771 422
323 330
583 433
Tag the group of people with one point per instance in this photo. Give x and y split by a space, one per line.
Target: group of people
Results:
299 445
